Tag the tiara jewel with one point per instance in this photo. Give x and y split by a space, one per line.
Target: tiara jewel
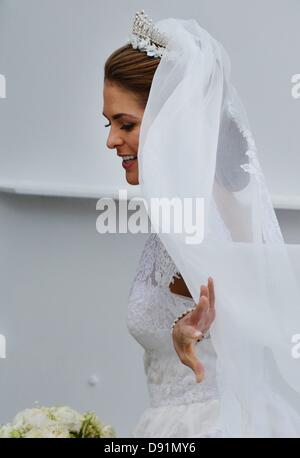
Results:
146 37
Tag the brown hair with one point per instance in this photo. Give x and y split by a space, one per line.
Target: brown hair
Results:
133 70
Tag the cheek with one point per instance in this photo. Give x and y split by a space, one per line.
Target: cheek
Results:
136 140
133 141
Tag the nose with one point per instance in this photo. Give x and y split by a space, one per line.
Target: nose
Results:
113 140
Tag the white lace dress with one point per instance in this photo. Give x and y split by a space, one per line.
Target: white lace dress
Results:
179 406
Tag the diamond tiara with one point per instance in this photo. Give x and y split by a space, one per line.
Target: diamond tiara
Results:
146 37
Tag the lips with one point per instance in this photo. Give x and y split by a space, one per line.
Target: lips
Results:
127 155
129 163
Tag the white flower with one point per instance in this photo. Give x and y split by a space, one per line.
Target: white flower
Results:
34 417
108 431
69 418
55 422
34 433
5 431
52 432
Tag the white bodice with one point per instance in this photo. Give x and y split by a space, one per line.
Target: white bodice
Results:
152 308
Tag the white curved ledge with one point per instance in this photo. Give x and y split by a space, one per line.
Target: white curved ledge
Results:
64 190
285 202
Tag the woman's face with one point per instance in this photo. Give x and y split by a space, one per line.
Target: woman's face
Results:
125 117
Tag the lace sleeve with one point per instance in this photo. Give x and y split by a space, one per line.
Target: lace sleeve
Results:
152 307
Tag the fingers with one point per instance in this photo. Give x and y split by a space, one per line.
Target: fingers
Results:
204 291
212 298
211 289
200 312
209 292
204 313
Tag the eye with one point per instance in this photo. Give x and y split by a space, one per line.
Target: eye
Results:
124 127
127 126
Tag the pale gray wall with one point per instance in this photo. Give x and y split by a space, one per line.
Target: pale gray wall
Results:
63 286
52 54
290 225
63 308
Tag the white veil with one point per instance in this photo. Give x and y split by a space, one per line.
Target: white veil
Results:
195 141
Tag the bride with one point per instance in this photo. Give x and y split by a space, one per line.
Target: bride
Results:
158 294
167 316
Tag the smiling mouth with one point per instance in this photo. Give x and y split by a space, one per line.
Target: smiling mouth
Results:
129 157
128 163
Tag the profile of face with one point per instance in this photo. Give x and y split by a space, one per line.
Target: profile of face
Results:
124 114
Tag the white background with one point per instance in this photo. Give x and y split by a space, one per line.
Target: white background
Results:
64 287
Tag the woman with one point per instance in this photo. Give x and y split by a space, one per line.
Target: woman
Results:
153 304
173 113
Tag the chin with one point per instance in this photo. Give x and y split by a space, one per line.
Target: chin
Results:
132 178
132 181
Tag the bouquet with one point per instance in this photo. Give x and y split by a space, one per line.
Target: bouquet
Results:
55 422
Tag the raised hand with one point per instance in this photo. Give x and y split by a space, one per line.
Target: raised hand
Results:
188 329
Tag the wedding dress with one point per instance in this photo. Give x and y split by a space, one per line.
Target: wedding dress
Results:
196 142
179 406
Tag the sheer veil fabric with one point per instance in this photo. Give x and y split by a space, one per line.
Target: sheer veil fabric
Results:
195 141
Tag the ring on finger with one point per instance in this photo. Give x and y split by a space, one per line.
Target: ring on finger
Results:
204 335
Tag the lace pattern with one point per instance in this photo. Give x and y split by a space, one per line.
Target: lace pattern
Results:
152 308
271 231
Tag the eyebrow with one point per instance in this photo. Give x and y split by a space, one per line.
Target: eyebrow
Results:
120 115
